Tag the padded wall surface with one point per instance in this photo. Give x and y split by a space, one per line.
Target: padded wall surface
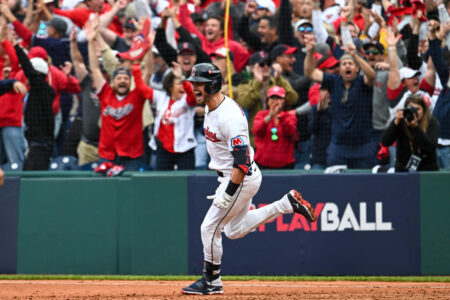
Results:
68 226
435 223
9 207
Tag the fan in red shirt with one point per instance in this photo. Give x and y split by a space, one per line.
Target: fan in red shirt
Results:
275 131
121 139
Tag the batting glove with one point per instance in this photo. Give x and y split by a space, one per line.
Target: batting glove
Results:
221 201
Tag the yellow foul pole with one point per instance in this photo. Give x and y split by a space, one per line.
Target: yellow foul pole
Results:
227 17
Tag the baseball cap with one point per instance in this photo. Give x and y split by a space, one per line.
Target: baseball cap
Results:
327 63
258 57
59 24
222 53
267 4
375 44
196 17
37 52
155 50
276 91
407 73
279 50
39 65
302 22
129 23
322 48
186 46
121 70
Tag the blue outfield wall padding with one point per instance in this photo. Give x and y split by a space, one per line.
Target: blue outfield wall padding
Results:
368 225
9 210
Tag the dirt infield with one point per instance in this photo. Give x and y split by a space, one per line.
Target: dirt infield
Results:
255 290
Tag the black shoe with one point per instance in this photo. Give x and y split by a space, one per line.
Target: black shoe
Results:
301 206
201 287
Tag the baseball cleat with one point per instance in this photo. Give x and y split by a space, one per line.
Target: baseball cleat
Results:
201 287
301 206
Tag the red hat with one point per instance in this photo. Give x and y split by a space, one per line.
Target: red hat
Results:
37 52
276 91
328 63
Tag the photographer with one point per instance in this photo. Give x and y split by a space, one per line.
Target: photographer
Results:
416 132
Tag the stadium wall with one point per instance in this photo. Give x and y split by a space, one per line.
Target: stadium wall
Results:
149 223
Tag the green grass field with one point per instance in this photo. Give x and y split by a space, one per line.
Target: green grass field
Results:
236 278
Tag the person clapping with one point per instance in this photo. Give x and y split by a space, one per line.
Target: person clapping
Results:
275 132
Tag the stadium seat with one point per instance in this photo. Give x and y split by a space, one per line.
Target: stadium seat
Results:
64 163
89 166
12 166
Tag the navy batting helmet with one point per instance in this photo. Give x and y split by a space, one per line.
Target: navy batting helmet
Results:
208 73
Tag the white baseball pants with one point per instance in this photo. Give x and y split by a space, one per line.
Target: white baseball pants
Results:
237 220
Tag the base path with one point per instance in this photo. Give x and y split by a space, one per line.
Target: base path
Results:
255 290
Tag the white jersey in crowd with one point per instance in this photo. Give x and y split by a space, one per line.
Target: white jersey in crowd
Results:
225 127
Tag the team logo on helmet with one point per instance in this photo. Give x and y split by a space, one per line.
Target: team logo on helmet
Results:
193 71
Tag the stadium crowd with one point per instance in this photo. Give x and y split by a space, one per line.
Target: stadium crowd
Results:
354 83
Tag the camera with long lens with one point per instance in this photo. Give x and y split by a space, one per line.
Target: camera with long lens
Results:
409 112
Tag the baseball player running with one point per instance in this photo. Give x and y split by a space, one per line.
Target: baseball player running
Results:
227 141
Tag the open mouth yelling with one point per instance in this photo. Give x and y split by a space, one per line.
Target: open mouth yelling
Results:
198 95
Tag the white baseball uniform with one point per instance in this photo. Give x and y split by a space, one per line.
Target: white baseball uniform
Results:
225 127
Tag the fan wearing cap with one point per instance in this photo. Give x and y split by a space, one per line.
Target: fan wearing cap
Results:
374 54
199 21
283 56
295 37
59 79
121 139
52 40
38 112
275 132
213 37
405 81
252 95
122 42
187 52
351 108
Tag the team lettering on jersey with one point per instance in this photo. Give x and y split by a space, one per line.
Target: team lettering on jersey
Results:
211 136
171 114
119 112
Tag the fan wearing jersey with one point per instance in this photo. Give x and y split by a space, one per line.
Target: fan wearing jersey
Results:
121 139
228 144
173 136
